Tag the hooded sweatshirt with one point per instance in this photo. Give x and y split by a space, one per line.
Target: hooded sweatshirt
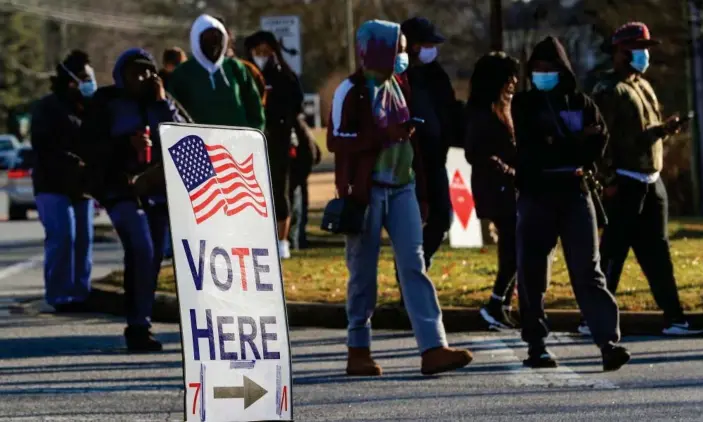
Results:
549 125
218 93
362 114
112 118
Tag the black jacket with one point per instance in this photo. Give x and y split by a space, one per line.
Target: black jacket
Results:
56 126
490 149
548 127
105 141
284 101
432 97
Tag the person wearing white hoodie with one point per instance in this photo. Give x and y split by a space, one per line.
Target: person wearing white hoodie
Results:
212 88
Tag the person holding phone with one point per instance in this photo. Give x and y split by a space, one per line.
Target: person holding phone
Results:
377 165
634 191
559 135
122 150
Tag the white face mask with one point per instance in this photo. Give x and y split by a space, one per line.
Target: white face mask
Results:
428 55
261 61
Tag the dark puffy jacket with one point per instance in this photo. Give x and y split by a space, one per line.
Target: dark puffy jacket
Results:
549 125
113 118
56 126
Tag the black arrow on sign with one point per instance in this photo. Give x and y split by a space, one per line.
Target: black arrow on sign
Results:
250 392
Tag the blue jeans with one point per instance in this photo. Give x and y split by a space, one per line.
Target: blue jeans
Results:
398 211
141 233
68 247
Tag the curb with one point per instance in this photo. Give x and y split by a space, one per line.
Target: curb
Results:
110 299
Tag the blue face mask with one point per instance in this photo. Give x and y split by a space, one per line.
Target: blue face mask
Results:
88 88
402 61
640 60
545 81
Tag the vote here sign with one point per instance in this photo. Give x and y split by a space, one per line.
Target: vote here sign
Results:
234 329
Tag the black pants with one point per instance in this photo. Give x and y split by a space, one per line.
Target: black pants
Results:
541 220
279 166
638 218
507 257
439 219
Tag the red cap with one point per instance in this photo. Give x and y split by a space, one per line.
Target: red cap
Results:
632 36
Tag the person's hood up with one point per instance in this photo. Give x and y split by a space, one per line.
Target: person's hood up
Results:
202 24
551 50
377 47
132 55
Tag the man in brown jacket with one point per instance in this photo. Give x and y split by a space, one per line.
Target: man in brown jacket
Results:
636 196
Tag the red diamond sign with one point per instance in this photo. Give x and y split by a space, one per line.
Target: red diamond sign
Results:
462 201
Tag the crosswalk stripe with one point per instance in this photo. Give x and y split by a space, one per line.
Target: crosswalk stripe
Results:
561 377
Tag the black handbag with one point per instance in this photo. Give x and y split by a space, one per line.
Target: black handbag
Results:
344 216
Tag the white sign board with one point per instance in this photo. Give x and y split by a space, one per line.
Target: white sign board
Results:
287 32
465 231
236 353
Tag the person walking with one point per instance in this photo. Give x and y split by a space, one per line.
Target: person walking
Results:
491 151
432 100
64 206
636 196
121 142
559 134
307 154
284 102
214 89
377 165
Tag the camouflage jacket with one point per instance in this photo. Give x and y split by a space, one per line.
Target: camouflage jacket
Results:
633 116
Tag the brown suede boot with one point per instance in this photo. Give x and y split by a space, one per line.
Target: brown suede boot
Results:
360 363
444 359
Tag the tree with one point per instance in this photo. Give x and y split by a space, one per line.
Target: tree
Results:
22 65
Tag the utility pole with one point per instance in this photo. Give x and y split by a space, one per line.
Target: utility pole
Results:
496 25
351 39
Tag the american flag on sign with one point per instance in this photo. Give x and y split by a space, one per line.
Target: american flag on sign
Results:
215 180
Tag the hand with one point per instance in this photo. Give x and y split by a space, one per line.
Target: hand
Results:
139 141
156 88
610 191
579 172
401 132
672 125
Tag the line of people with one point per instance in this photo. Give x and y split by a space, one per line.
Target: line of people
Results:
102 143
535 158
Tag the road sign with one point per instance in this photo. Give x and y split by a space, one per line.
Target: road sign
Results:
236 353
287 32
465 231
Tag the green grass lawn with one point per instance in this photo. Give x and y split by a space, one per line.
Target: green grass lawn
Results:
464 277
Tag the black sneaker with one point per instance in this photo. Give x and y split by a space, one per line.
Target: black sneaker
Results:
496 318
539 357
140 339
508 312
614 357
681 329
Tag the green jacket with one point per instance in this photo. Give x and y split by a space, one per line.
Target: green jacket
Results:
633 116
233 103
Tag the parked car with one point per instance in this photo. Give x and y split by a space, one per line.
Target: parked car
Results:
9 144
20 192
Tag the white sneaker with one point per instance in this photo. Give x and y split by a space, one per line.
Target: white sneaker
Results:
584 330
681 329
284 249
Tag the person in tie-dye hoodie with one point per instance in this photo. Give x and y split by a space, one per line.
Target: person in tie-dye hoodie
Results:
377 164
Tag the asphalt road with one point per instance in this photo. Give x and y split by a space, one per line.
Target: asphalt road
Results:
74 368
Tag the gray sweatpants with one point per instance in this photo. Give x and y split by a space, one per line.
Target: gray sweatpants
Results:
541 220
